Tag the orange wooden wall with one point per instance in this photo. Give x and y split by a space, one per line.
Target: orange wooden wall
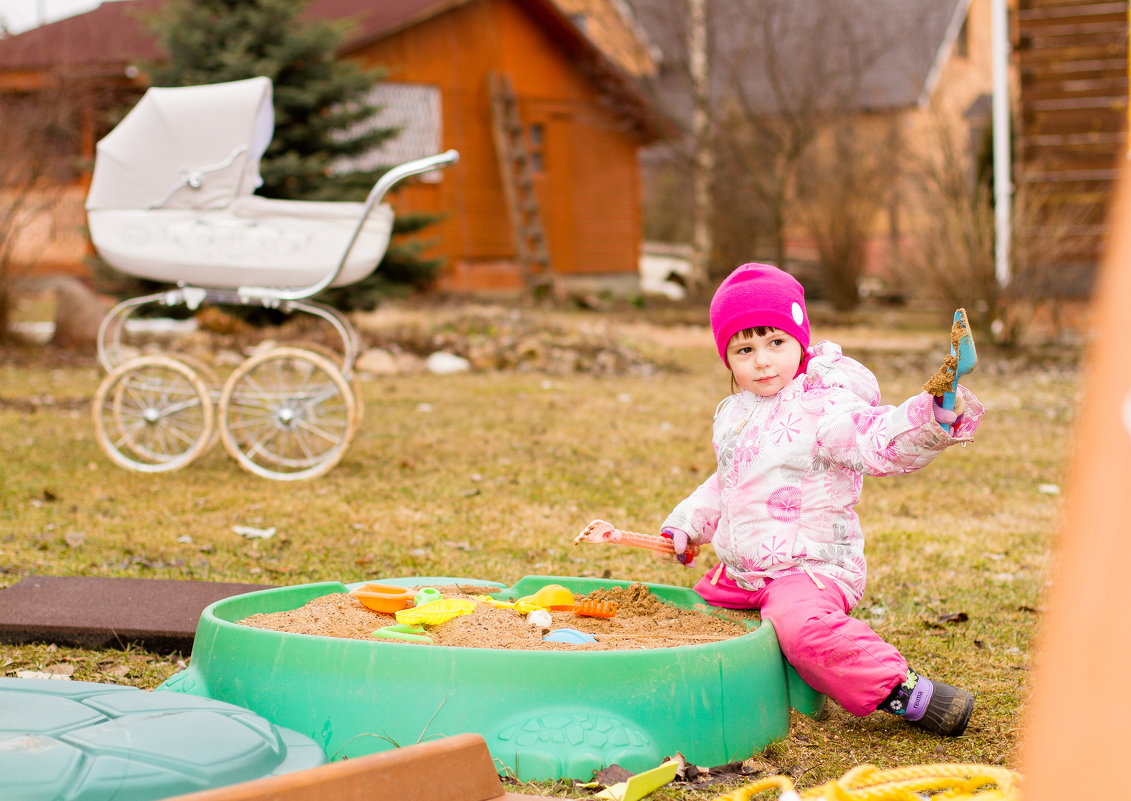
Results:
589 190
1076 729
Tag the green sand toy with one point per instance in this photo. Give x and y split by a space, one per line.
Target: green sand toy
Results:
544 714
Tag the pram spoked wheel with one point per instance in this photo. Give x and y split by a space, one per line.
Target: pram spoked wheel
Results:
336 359
153 414
287 413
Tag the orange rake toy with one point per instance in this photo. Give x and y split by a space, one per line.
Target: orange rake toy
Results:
599 531
590 608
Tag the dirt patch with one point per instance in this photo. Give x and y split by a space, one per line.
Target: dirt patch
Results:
641 621
494 338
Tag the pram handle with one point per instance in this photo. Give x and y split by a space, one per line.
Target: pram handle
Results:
383 185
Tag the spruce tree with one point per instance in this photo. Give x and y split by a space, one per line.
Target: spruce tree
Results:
320 102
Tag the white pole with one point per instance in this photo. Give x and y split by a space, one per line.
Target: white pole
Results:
699 65
1003 168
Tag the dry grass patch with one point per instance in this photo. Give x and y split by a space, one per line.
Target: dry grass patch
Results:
489 475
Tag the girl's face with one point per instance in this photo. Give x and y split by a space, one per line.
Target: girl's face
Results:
764 364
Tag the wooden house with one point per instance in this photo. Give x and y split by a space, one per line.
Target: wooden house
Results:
788 77
548 127
1071 60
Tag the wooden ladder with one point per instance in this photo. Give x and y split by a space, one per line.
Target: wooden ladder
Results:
517 175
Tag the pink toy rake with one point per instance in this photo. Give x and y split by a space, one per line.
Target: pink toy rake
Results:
601 532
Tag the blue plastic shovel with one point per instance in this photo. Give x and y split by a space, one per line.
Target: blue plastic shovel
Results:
966 357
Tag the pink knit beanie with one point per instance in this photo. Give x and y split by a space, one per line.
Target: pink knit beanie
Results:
754 295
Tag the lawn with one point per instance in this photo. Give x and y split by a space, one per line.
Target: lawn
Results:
490 474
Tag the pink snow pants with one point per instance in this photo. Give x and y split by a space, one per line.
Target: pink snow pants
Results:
834 653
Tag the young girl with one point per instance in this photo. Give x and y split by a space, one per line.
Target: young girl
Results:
794 443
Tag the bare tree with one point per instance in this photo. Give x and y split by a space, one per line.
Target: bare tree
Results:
794 70
1044 257
703 151
842 189
953 260
779 73
37 133
679 175
744 223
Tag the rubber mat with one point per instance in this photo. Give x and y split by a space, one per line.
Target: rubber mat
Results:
94 612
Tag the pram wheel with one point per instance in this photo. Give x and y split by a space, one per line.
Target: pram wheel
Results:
208 376
287 414
337 358
153 414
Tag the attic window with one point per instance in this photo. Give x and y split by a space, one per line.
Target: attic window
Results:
415 110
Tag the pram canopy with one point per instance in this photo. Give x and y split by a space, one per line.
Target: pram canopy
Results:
171 199
185 147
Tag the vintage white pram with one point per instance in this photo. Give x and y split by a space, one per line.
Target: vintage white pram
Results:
171 200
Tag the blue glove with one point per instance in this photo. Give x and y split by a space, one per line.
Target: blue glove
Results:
679 540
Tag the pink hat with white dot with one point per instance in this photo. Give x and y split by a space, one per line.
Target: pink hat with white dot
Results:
758 295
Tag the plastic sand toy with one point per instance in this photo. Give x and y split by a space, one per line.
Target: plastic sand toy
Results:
554 597
403 631
544 714
602 532
570 636
590 608
522 607
383 597
963 358
436 612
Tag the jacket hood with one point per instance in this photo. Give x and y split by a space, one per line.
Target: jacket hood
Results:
828 367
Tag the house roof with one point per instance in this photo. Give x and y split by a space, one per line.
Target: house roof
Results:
860 55
115 35
613 27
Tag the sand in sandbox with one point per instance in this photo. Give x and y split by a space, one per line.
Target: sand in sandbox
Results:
642 621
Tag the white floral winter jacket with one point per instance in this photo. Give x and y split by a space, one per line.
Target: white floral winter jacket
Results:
791 467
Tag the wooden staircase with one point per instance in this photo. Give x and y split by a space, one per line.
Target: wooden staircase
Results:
517 174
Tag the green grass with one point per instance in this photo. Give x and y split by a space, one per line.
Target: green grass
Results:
496 479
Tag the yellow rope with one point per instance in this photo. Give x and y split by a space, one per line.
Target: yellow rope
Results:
944 782
761 785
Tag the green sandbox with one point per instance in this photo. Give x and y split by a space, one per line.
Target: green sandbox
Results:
544 714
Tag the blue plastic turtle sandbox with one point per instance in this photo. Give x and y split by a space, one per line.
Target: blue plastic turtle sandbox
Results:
83 741
544 714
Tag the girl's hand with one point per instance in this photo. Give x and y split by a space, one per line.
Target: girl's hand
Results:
948 416
959 403
679 544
